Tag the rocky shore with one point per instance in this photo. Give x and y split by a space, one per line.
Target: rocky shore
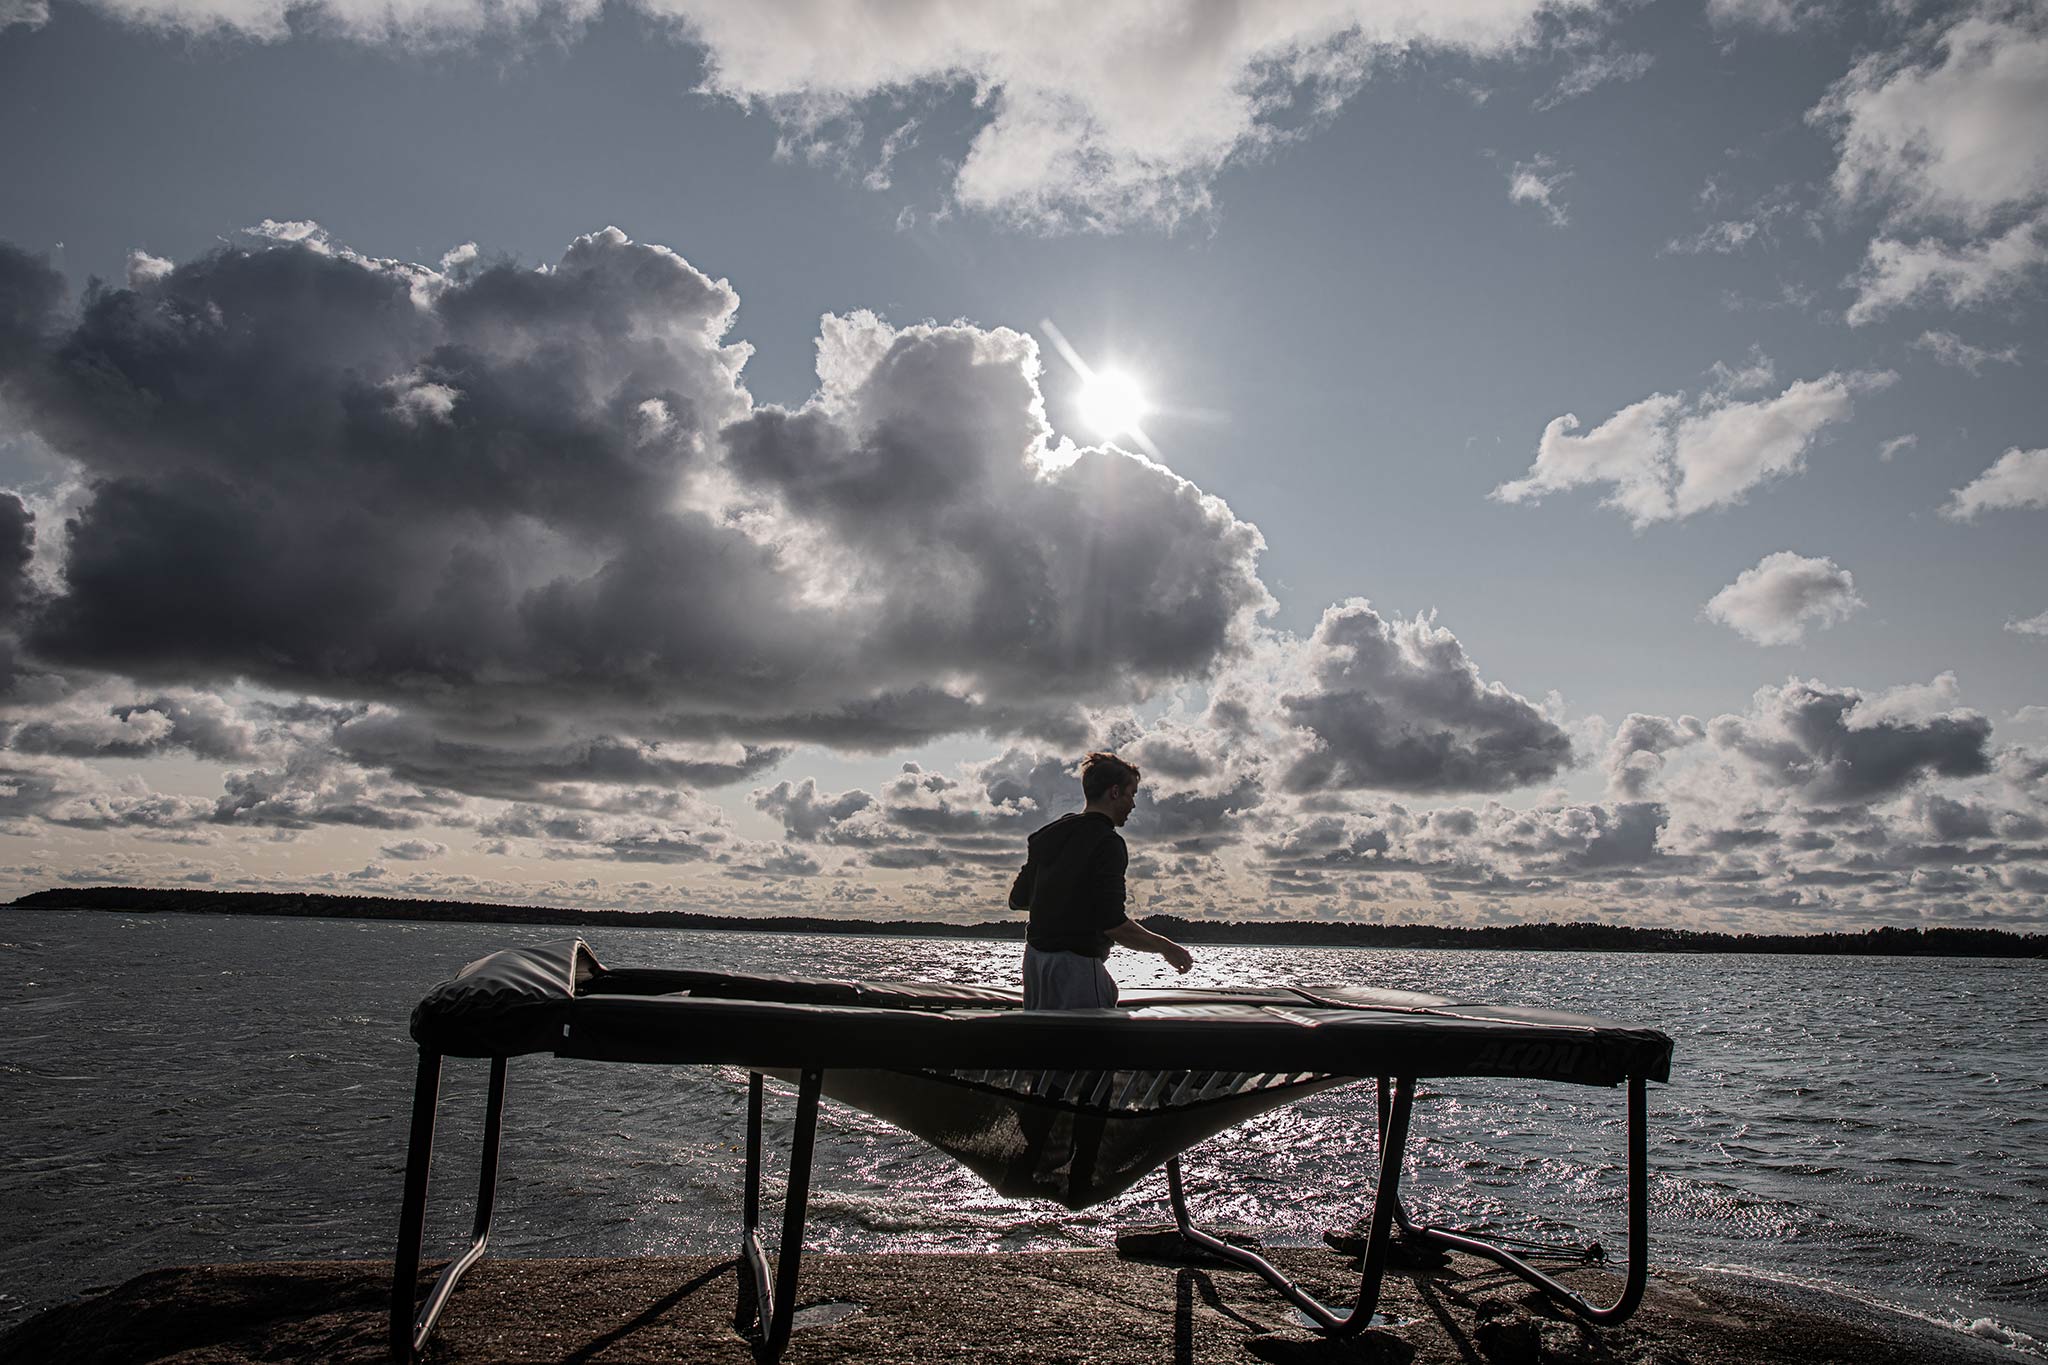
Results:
908 1309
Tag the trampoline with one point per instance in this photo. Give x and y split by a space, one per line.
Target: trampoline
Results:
1072 1105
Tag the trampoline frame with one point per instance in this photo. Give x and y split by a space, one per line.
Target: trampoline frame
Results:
767 1292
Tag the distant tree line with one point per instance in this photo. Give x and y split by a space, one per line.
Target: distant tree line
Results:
1580 936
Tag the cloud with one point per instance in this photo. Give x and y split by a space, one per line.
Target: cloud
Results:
1774 603
529 760
1947 129
2018 478
536 517
1724 238
1772 16
1593 70
1896 444
1669 460
17 552
1396 705
1637 753
2033 625
1830 745
563 834
28 13
1950 349
93 724
1096 117
66 792
1083 115
1897 273
1538 182
413 850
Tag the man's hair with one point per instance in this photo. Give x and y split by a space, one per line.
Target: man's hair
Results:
1100 772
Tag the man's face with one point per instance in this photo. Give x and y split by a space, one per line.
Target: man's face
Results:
1121 799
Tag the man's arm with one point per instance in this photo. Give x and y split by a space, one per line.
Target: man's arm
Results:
1020 890
1132 934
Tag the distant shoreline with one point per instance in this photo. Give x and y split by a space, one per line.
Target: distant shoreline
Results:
1548 937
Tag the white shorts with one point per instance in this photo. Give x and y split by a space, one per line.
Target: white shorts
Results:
1066 981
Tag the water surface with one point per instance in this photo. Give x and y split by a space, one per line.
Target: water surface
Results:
212 1088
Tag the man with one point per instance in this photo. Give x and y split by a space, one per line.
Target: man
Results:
1073 885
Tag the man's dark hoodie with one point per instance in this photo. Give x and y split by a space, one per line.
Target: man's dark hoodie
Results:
1073 885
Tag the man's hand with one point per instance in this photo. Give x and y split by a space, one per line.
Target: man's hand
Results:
1180 957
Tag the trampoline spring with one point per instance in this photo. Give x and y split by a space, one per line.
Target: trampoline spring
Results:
1222 1083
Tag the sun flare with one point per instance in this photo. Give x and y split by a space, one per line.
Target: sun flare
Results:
1112 403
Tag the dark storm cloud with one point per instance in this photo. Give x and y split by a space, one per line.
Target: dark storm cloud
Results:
1398 706
504 497
17 549
30 292
1834 745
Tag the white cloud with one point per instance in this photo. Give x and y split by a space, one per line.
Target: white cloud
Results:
1538 182
2019 478
1897 273
301 230
1637 755
143 268
1910 705
1896 444
1669 461
1097 116
2033 625
29 13
1773 16
1949 131
1590 72
1950 349
1722 239
1774 603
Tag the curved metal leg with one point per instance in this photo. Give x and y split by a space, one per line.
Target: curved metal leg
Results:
1638 1275
767 1301
1372 1265
409 1333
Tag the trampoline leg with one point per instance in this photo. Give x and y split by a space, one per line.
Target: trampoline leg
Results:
1638 1274
1372 1265
767 1298
409 1333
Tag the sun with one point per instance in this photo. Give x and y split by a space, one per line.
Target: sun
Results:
1112 403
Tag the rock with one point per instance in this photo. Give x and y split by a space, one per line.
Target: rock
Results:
909 1309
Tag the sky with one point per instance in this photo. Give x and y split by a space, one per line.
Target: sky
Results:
1591 460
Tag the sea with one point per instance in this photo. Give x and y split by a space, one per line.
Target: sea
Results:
195 1088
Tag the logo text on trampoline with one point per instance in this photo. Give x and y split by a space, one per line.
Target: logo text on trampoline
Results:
1557 1059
